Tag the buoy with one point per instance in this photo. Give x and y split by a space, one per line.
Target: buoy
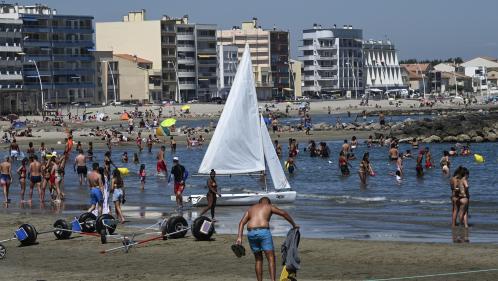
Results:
479 158
124 171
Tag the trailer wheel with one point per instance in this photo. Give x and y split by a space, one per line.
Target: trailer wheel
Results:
31 232
177 225
110 224
198 232
58 232
87 221
3 251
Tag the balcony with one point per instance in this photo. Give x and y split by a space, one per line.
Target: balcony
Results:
331 57
184 73
319 67
185 36
10 48
185 48
189 86
308 57
306 48
186 60
12 76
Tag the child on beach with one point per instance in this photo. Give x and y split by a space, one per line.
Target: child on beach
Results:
142 174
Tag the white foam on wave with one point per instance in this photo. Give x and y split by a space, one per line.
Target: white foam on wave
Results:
347 198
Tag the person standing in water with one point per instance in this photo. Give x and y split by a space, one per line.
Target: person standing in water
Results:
419 168
23 173
150 141
172 145
257 218
118 193
161 167
142 176
428 158
365 169
445 163
80 166
290 165
6 178
179 175
344 164
211 195
35 170
278 149
96 189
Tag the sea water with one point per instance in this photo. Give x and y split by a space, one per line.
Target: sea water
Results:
328 205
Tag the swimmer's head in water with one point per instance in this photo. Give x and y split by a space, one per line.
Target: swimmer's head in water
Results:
264 200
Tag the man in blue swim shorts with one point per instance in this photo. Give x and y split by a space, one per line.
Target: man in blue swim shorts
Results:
259 236
96 189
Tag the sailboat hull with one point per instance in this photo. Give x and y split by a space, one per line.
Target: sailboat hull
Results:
244 199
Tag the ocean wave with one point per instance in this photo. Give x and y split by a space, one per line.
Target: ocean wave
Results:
348 198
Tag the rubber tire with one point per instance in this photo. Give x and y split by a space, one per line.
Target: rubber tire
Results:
85 225
196 229
175 224
32 234
99 225
3 251
103 236
59 234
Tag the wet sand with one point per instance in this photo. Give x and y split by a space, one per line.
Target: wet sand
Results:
187 259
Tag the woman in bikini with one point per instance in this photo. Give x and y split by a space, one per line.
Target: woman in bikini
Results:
211 195
365 168
118 194
463 196
22 172
445 163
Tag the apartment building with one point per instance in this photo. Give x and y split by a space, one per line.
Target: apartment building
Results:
333 61
183 52
381 65
11 81
269 52
227 68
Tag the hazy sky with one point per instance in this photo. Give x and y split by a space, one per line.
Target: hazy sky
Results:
419 28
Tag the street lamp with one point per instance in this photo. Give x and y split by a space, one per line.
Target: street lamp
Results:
178 97
113 83
41 84
423 77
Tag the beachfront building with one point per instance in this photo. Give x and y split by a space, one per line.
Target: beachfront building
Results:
479 69
333 61
296 78
382 70
57 65
269 52
183 52
417 74
11 81
227 68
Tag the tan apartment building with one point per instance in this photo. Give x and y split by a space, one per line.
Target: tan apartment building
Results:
297 82
184 53
259 44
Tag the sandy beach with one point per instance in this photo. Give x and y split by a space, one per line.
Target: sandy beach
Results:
187 259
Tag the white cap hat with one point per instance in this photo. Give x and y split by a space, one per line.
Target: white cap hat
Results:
175 158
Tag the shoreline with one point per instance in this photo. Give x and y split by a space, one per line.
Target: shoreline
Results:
186 259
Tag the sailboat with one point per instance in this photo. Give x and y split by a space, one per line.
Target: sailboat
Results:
241 145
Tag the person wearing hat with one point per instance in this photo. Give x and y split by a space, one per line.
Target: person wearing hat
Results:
179 174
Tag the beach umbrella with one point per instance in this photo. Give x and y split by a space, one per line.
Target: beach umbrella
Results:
185 107
168 122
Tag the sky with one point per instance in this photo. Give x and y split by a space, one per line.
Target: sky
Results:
421 29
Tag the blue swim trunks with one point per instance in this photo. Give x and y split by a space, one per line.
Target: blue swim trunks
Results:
96 196
260 240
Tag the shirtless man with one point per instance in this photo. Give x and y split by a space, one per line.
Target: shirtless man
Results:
6 178
393 152
35 171
80 166
161 165
96 189
14 150
259 236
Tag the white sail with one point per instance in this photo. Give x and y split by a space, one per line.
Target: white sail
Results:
236 145
276 171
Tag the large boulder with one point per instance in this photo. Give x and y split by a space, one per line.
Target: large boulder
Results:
450 139
478 139
491 136
432 139
463 138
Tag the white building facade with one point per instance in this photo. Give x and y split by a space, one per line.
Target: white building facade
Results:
227 67
333 61
382 70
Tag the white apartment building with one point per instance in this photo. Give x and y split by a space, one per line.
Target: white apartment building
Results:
333 61
381 65
227 68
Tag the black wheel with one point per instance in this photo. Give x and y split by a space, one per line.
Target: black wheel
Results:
59 233
177 225
3 251
87 222
198 232
103 236
110 223
31 232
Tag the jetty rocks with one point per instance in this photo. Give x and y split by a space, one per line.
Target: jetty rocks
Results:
468 127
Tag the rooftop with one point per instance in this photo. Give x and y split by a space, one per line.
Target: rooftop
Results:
132 58
415 70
